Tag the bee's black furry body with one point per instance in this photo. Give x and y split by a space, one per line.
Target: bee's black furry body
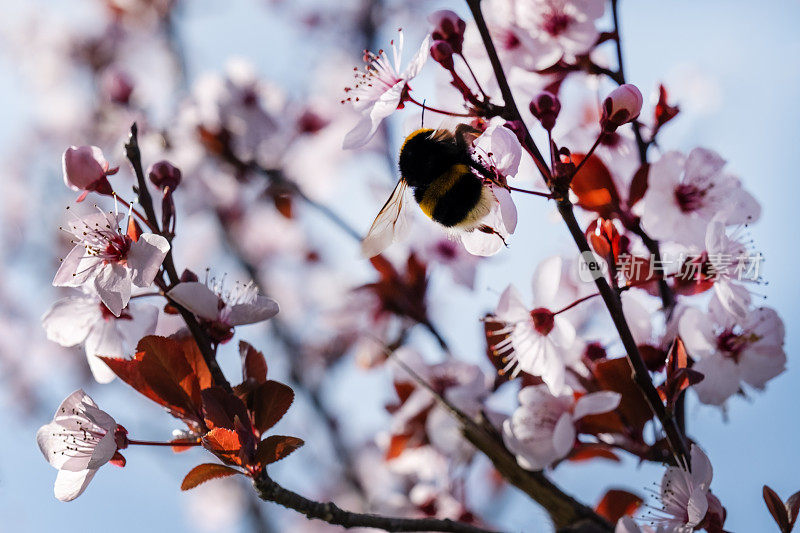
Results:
438 167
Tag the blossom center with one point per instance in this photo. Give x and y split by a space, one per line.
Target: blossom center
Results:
555 22
446 249
689 197
543 320
731 344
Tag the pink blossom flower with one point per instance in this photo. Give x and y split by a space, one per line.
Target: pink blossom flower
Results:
685 192
86 169
621 106
381 88
549 30
226 308
109 259
685 495
79 440
542 429
86 320
730 352
537 341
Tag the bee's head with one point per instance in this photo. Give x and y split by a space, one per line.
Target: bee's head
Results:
424 156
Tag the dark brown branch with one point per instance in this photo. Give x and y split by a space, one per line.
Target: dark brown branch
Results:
640 373
510 110
567 513
134 156
270 491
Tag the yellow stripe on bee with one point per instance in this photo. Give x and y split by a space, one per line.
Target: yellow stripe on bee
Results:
439 188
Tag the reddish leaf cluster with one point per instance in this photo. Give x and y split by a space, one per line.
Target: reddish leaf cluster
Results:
401 293
230 424
784 514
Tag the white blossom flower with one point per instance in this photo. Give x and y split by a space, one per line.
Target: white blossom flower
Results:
86 320
685 495
537 340
542 429
545 31
380 89
685 192
230 308
730 266
79 440
498 149
464 385
110 260
730 352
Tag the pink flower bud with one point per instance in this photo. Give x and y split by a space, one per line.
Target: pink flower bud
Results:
623 105
164 174
117 86
85 169
447 26
442 53
545 106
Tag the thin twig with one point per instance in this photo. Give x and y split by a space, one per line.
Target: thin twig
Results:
269 490
134 156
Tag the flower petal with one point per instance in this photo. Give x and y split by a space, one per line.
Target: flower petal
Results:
76 268
145 258
197 298
70 485
563 436
113 284
702 472
546 281
596 403
69 320
263 308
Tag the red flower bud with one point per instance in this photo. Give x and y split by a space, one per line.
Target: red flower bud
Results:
545 106
163 174
447 26
623 105
117 86
442 53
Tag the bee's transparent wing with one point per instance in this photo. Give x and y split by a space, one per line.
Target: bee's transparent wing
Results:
390 225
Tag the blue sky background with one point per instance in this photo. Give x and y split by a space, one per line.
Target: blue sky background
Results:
743 52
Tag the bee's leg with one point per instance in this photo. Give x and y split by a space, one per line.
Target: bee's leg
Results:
491 231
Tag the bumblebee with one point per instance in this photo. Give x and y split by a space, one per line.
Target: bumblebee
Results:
438 166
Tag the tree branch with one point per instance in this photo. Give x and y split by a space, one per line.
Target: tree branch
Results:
134 155
270 491
640 373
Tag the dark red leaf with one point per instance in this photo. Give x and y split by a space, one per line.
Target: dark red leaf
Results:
220 408
615 375
254 366
169 372
585 452
776 509
594 187
206 472
793 508
617 503
276 447
638 186
225 444
271 400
